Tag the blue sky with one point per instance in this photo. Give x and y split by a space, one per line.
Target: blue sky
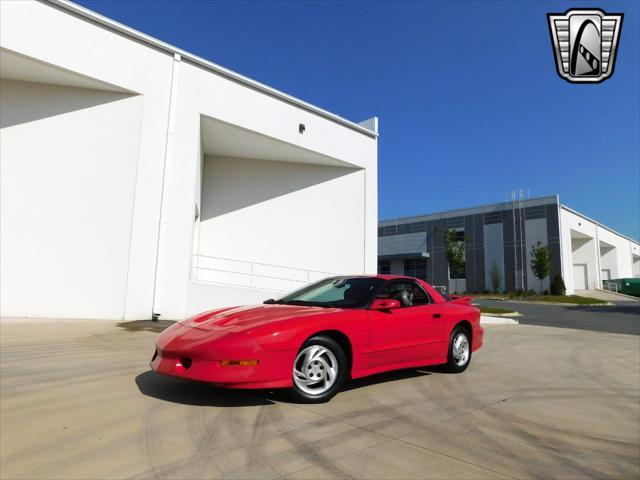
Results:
469 102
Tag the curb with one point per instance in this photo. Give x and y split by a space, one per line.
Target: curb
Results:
488 320
531 302
510 314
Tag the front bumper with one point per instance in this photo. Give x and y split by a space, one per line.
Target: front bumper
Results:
273 369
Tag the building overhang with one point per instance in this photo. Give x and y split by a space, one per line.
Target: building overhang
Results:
606 246
576 235
26 69
226 140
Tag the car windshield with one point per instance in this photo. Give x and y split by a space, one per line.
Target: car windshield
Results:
338 292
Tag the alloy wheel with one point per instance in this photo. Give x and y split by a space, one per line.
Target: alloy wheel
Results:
315 370
460 349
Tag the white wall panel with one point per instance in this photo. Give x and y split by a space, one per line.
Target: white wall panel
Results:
54 37
282 213
68 159
585 248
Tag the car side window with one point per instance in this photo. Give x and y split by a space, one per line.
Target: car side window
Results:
420 297
408 293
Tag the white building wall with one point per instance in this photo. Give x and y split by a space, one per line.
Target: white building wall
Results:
125 160
278 212
68 158
203 95
617 259
52 36
635 268
591 246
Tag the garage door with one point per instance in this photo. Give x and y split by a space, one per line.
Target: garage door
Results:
580 276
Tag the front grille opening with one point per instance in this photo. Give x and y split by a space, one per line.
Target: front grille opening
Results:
155 355
186 362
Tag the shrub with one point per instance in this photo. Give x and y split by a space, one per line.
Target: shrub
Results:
557 286
495 276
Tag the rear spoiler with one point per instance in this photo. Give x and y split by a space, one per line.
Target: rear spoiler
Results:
464 300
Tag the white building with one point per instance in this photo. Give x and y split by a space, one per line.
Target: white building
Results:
593 253
139 179
583 251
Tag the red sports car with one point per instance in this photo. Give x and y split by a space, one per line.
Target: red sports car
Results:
315 338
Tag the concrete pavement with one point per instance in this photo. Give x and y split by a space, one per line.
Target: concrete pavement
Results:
78 401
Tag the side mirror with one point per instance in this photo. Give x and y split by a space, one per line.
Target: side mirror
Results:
384 304
269 301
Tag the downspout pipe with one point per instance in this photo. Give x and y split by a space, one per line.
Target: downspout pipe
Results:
166 183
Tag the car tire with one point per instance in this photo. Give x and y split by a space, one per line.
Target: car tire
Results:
319 370
459 353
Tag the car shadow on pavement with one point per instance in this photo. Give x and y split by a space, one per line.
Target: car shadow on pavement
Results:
388 377
189 392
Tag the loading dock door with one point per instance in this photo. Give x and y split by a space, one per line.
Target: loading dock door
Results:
580 276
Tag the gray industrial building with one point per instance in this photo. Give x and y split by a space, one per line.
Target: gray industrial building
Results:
582 250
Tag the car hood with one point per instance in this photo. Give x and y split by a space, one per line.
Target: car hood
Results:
241 318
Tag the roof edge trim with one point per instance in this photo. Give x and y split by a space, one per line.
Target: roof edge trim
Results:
142 37
460 212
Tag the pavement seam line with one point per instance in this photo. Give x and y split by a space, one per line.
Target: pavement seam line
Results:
402 438
392 438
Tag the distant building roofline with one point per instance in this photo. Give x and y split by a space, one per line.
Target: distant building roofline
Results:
460 212
494 207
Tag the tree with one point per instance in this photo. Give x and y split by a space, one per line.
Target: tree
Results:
557 286
455 255
540 262
495 276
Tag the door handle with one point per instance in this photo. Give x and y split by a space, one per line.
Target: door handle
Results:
436 315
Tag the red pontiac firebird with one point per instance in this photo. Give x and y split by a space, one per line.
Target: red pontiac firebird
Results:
315 338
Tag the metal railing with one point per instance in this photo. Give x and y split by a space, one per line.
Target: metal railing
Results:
262 276
440 288
610 285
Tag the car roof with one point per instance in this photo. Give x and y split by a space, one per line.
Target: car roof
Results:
381 276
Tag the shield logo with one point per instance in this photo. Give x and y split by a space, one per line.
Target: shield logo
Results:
584 44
